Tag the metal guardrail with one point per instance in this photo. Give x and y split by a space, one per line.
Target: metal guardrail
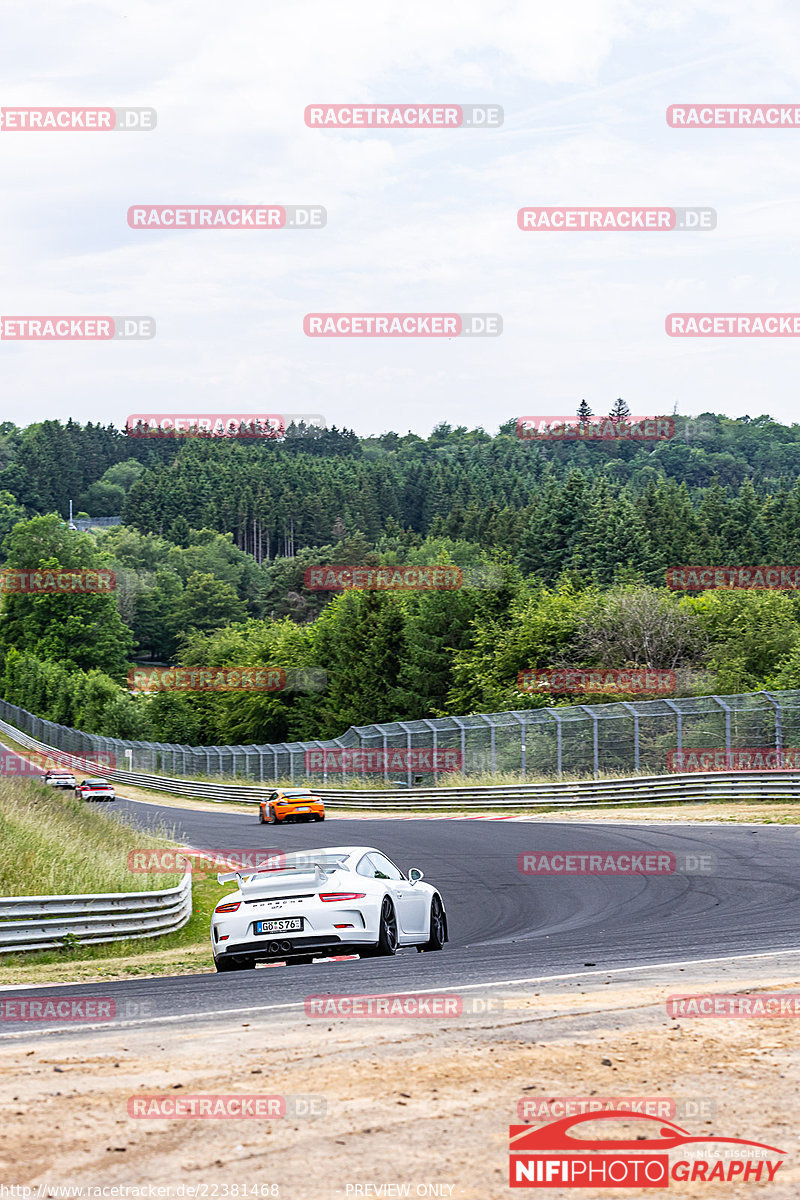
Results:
640 789
657 789
43 922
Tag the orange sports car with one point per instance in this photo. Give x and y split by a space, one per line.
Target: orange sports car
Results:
291 804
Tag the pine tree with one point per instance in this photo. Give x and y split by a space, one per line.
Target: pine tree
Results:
619 410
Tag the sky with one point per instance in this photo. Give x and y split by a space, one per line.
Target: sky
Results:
417 220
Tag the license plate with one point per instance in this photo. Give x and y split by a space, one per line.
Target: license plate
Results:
280 925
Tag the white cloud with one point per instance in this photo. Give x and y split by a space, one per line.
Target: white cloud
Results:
416 221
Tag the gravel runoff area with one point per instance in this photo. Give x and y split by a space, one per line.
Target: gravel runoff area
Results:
419 1103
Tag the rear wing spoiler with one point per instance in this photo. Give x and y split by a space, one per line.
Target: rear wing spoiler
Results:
320 873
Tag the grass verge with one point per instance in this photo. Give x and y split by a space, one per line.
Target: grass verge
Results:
53 844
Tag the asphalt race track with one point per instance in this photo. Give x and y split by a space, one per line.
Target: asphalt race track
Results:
504 926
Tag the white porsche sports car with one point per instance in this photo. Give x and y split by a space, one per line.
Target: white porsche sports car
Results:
337 900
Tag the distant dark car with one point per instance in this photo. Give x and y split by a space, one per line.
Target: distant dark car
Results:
59 779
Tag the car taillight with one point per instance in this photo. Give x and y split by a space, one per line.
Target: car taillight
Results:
228 907
328 896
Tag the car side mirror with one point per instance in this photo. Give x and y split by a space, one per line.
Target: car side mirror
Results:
414 875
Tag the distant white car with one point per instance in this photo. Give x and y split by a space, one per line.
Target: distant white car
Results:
95 789
336 900
59 779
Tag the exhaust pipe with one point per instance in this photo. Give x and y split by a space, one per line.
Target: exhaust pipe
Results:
280 948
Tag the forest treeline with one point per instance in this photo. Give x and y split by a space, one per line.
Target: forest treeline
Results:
572 542
304 491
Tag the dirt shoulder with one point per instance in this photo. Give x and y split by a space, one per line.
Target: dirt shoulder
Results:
768 812
417 1102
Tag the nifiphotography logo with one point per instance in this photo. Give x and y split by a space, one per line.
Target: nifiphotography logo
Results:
552 1155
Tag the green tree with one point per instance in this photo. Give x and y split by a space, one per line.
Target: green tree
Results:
10 513
358 640
208 602
76 629
750 634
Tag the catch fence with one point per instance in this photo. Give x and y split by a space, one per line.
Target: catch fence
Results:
581 740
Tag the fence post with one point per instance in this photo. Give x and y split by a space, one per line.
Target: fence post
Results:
461 726
727 709
404 726
634 712
432 727
596 746
342 747
551 712
778 723
491 724
517 717
679 720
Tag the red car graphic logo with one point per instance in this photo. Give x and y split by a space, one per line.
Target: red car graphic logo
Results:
552 1156
556 1136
